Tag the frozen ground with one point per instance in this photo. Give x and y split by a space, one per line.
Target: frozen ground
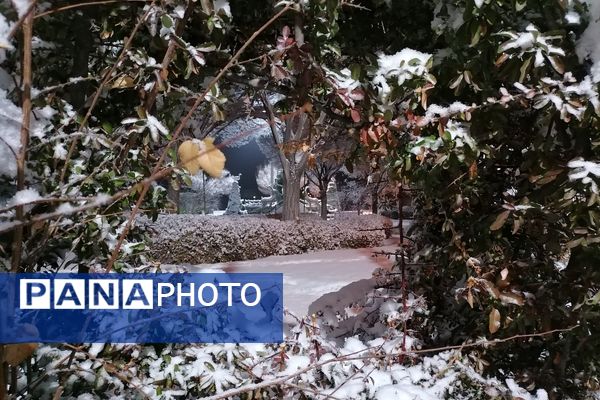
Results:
307 277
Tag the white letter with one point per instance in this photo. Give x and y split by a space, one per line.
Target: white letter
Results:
256 288
103 294
215 294
229 285
69 294
34 294
138 294
189 294
162 294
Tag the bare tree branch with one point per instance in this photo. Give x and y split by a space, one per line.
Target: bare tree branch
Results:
17 248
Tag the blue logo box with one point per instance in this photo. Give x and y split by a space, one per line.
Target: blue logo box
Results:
141 308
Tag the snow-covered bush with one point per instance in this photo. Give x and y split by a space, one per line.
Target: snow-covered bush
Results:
308 364
198 239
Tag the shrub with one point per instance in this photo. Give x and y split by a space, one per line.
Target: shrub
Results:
201 239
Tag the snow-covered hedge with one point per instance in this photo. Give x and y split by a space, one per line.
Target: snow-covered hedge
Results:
309 364
200 239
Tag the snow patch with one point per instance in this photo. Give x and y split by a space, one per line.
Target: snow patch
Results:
584 170
25 196
404 65
21 6
588 45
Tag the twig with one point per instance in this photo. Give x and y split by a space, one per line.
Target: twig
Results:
88 3
282 380
105 79
18 24
22 154
101 201
179 28
62 85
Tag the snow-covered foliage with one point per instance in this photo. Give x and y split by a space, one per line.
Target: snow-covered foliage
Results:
309 361
197 239
586 171
206 193
10 120
531 41
177 372
396 69
234 204
266 178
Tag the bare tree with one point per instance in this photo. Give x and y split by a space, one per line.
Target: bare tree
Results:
293 139
325 161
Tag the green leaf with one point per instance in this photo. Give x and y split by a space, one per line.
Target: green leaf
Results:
167 21
355 71
107 126
388 115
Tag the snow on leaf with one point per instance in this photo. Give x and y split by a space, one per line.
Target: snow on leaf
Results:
25 196
402 66
530 41
584 171
155 127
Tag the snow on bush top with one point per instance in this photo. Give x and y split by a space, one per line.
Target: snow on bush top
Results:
201 239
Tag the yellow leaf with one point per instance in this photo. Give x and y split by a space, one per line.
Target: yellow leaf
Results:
123 82
196 155
494 321
15 354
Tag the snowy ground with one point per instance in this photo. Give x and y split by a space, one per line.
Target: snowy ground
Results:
307 277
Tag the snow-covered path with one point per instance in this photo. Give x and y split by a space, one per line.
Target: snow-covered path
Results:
309 276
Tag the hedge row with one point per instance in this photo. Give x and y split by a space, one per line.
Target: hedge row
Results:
200 239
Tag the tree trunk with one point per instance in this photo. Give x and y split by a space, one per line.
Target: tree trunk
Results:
291 198
82 47
324 204
204 192
374 201
173 195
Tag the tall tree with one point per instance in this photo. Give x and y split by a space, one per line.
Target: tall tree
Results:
326 160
